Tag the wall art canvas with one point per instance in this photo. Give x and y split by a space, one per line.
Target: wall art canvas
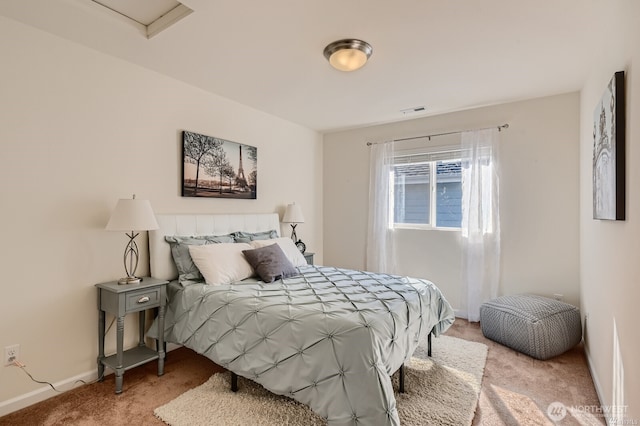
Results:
609 152
218 168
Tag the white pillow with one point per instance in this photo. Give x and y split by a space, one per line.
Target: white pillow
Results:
221 263
287 246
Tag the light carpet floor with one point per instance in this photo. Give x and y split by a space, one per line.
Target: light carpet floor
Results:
442 390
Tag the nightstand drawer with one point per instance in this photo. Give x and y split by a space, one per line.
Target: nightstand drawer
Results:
142 299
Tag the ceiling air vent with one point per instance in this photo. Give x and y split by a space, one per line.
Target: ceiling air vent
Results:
414 110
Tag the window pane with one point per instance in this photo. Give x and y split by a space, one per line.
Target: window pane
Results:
411 193
448 194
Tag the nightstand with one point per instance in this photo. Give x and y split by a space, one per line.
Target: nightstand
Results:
120 300
308 257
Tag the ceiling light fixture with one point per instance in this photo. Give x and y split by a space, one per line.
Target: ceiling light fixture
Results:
348 54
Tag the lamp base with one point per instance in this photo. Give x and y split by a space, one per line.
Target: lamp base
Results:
129 280
131 254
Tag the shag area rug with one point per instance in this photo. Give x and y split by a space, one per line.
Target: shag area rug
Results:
442 390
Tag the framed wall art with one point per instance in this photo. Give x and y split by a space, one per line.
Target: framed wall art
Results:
609 152
218 168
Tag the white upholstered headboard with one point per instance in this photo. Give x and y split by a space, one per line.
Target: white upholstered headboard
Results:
160 260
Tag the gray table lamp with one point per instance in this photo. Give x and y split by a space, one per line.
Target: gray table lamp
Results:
132 215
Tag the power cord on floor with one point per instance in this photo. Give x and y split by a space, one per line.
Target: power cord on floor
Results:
23 367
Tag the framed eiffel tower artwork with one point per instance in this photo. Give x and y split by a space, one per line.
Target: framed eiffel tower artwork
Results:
218 168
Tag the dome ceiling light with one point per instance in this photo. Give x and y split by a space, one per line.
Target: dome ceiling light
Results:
348 54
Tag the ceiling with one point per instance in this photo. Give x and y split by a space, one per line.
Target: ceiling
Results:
446 55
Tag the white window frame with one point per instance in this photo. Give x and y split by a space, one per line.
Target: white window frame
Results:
449 155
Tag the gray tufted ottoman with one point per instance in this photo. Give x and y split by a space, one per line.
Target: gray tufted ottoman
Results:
534 325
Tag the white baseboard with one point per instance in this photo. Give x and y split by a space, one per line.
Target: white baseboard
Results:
45 392
594 377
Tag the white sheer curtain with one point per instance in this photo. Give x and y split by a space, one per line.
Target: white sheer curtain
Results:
480 220
380 245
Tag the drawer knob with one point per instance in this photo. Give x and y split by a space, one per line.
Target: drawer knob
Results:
144 299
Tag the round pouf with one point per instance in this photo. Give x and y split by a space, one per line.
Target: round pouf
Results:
534 325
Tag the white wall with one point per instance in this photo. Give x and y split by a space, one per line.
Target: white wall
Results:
79 130
609 266
539 198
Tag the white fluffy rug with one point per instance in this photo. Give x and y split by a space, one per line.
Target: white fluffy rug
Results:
442 390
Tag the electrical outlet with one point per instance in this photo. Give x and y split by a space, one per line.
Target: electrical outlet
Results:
11 353
559 297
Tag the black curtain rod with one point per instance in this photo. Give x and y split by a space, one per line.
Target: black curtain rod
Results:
500 127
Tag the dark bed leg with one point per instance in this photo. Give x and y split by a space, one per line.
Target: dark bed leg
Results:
401 377
234 382
429 345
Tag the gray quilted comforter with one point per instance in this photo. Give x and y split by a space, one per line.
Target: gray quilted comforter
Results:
329 338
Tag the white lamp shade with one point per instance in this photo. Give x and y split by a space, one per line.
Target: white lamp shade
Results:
132 215
293 214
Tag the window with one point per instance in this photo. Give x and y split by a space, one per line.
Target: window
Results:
426 190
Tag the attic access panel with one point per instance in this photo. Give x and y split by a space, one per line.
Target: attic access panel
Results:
153 15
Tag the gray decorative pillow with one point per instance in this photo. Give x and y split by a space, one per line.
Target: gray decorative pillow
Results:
270 263
246 237
188 272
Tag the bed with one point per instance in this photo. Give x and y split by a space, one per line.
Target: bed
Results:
327 337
